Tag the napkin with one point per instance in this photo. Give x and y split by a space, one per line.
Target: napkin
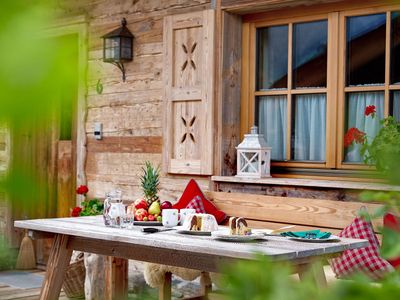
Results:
309 234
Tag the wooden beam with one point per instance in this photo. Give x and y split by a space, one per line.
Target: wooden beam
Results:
116 278
65 199
58 262
117 144
164 292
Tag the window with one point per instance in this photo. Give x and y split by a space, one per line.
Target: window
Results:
311 78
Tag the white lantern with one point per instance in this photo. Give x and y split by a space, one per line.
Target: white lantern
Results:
254 156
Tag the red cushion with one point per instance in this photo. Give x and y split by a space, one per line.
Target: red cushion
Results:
192 190
392 222
365 260
197 205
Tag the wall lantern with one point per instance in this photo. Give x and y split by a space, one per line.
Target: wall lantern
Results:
118 47
254 156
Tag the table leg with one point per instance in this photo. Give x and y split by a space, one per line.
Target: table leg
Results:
59 260
164 292
205 283
116 278
315 272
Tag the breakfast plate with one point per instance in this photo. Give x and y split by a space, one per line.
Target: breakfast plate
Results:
147 223
332 238
180 229
224 235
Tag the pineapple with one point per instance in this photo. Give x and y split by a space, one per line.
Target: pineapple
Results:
150 181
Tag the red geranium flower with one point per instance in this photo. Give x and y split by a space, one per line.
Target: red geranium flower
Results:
76 211
353 135
82 190
370 109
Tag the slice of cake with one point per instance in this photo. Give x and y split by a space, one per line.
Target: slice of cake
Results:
232 225
200 222
238 226
241 227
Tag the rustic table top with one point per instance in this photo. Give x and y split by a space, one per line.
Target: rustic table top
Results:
276 247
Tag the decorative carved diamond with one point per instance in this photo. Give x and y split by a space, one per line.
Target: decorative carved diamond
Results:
189 129
189 55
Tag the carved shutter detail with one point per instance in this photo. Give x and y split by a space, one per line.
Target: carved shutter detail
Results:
189 82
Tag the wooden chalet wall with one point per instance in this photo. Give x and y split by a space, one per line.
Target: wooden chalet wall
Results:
4 162
131 112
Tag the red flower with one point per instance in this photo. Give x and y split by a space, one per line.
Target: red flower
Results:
353 135
82 190
370 109
76 211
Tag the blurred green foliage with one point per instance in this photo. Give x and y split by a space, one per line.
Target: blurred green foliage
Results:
263 280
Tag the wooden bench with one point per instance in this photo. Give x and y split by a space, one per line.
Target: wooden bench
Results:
273 212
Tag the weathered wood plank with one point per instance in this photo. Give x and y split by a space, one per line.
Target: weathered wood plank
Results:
309 212
164 292
58 262
65 199
136 144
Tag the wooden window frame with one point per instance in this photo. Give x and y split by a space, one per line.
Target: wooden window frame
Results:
335 88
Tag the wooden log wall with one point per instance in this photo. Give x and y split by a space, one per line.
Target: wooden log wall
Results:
4 162
131 112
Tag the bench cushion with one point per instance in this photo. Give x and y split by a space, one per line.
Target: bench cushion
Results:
391 222
191 191
364 260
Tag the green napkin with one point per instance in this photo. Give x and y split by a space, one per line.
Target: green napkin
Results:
309 234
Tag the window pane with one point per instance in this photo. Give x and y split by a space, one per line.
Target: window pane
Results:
395 105
365 57
395 52
309 123
272 57
272 122
310 54
356 118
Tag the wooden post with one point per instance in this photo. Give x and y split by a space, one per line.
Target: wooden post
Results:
206 284
315 272
116 278
65 198
164 292
59 260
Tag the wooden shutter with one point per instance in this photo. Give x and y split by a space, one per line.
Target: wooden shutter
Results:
189 82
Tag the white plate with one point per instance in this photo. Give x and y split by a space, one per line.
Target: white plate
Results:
147 223
180 229
224 235
332 238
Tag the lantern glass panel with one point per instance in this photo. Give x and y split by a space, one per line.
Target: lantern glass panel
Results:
249 162
112 48
126 48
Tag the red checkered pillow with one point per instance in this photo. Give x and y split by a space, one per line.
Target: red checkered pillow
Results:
365 260
197 204
391 222
192 190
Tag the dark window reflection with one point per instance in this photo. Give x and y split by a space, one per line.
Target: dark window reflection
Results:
394 109
310 54
395 52
365 57
272 57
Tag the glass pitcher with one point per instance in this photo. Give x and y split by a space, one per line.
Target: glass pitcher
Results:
114 209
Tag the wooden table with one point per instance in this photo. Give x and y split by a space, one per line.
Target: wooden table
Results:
88 234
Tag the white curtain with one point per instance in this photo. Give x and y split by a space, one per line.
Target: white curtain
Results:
357 102
310 127
272 122
396 105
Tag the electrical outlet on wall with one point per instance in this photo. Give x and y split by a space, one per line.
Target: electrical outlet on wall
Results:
98 131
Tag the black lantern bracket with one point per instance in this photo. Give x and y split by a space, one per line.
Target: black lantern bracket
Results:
118 47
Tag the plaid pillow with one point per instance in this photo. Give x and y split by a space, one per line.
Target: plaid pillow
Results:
197 204
364 260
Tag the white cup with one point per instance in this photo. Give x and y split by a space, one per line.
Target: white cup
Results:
170 217
184 212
